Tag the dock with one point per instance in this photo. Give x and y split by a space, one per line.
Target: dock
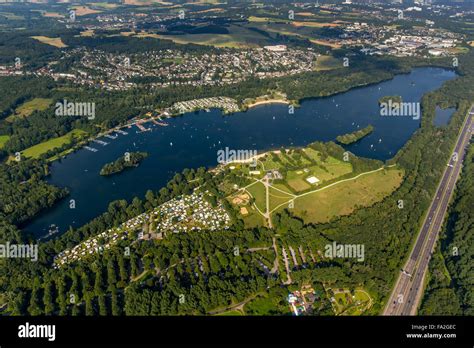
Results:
163 124
101 142
90 148
142 129
121 132
110 136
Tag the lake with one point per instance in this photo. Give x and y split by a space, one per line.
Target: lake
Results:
192 140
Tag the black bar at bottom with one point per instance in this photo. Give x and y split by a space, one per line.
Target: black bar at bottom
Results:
452 331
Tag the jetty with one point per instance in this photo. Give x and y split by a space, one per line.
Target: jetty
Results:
101 142
141 127
110 136
163 124
121 132
90 148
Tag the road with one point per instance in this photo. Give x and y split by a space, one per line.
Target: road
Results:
408 289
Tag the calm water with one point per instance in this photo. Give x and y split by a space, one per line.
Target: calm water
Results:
192 140
443 116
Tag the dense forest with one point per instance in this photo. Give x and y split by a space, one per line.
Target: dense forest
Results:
451 281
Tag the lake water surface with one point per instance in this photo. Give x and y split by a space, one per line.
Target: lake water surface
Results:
192 140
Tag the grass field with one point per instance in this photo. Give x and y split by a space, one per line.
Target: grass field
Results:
26 109
265 20
39 149
277 198
257 191
52 41
3 140
296 181
253 219
330 169
348 304
345 197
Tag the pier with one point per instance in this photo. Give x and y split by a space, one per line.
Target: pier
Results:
163 124
90 148
110 136
141 127
101 142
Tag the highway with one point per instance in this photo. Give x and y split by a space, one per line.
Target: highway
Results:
408 289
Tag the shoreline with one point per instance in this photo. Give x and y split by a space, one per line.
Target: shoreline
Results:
269 101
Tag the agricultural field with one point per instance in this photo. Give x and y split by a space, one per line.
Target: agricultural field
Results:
84 10
238 37
52 41
48 14
313 24
87 33
344 197
37 150
27 108
105 5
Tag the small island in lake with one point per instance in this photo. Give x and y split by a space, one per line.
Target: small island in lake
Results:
390 100
128 160
350 138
